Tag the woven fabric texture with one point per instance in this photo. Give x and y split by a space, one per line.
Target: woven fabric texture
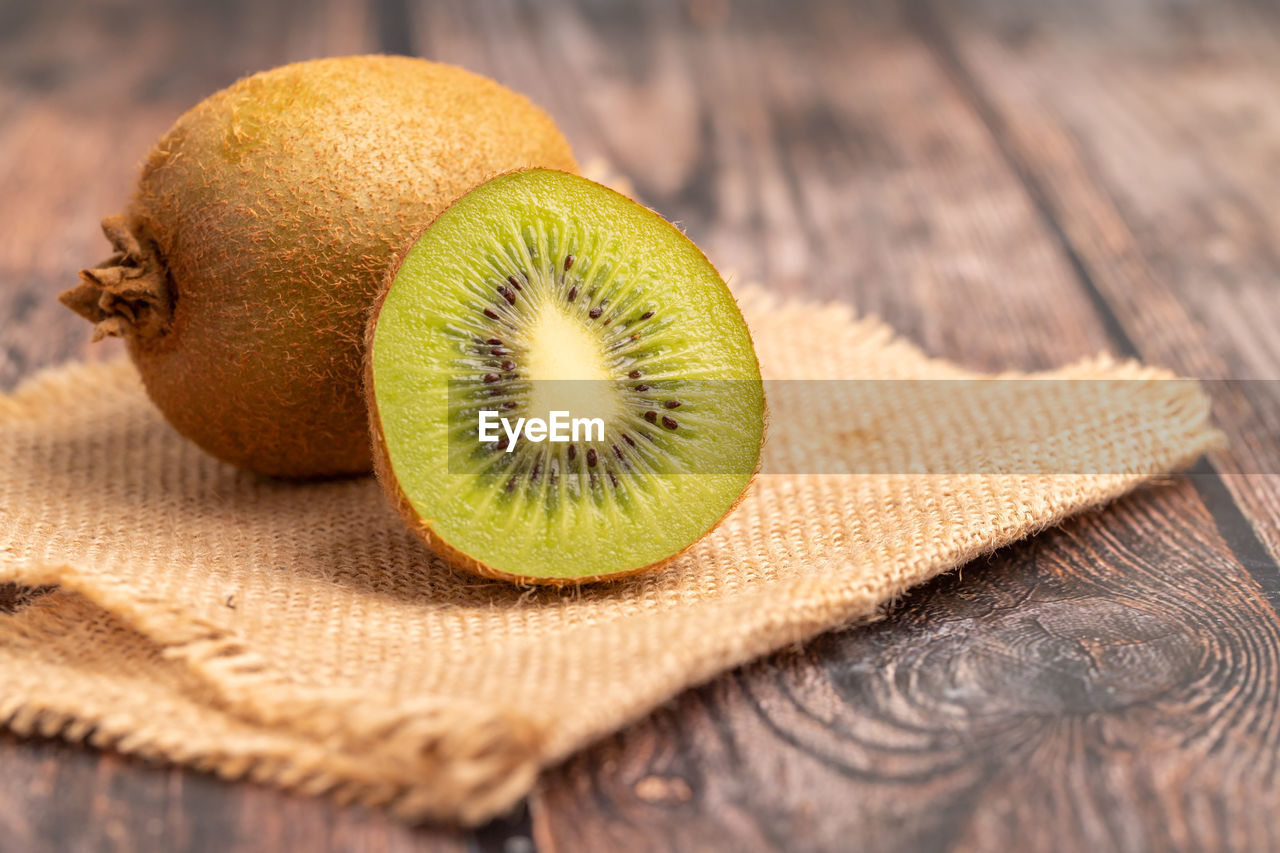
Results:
298 635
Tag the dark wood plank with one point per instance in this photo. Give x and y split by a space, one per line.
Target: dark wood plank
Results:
1151 132
851 162
56 797
811 146
1109 686
1059 696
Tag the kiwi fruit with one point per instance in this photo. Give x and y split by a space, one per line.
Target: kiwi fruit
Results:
260 232
537 293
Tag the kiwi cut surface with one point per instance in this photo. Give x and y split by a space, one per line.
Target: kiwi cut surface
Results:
538 292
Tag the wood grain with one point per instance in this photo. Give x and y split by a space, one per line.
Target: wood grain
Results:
1154 143
974 270
1012 186
1109 685
57 797
819 153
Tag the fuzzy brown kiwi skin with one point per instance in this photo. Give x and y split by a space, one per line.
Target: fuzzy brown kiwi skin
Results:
259 232
422 527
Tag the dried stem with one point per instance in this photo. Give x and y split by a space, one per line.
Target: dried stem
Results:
127 294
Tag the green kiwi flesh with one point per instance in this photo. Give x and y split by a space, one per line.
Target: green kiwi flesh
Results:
541 289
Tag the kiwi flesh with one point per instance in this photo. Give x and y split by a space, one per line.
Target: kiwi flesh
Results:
260 233
542 292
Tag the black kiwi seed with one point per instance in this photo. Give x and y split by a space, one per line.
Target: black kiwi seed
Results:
515 282
573 452
628 439
507 294
669 423
502 443
635 374
651 417
573 293
646 315
642 387
672 404
568 262
491 377
494 342
595 312
489 312
617 451
613 479
508 365
510 404
591 457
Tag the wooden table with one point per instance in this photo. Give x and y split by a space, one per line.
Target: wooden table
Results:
1009 184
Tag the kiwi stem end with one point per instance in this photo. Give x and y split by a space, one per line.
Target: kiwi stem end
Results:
127 294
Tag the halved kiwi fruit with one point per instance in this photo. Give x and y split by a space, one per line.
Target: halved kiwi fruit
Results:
539 293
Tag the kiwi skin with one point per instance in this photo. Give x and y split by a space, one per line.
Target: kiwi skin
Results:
422 527
261 228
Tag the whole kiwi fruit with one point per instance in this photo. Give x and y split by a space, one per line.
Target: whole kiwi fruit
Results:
262 225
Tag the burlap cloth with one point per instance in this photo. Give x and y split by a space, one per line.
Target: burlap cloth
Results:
297 635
